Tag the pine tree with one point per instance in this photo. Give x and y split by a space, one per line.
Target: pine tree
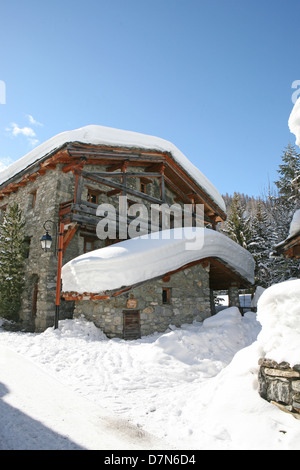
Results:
260 244
237 225
12 256
289 181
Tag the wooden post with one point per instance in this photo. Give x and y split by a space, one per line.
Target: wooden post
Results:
162 183
59 266
78 188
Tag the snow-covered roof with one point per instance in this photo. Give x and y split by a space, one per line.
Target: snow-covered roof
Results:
149 256
295 224
100 135
294 230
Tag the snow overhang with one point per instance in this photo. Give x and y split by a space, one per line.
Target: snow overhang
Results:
137 260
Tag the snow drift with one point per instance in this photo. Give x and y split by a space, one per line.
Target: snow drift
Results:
146 257
279 314
100 135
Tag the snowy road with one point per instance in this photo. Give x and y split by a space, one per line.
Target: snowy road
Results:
38 412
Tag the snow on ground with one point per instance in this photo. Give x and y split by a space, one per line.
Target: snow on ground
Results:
193 387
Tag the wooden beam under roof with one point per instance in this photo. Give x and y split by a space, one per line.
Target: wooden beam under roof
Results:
120 153
107 182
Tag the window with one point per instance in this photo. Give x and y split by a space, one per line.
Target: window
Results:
35 291
27 242
88 244
143 187
166 295
32 199
92 196
143 184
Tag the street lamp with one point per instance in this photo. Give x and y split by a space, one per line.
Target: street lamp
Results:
46 242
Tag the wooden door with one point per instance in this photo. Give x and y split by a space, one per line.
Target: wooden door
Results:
131 324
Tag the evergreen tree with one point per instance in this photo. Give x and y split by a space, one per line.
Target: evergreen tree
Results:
12 256
289 181
260 244
237 225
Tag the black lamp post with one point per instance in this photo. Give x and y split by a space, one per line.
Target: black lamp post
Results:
46 243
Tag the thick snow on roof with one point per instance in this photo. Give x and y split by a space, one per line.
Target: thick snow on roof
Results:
138 259
294 121
295 224
100 135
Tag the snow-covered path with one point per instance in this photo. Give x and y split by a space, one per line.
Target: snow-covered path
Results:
193 388
56 417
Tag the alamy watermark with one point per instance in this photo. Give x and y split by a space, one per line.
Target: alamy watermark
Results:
157 220
296 94
2 92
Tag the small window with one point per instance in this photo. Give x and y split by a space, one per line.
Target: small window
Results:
32 199
88 244
143 187
92 196
27 242
143 184
35 291
166 295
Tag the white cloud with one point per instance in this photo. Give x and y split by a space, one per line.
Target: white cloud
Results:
28 132
33 121
15 130
34 142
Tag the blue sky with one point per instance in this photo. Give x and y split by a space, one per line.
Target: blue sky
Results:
214 77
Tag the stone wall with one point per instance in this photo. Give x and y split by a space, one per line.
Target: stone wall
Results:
39 201
189 301
280 384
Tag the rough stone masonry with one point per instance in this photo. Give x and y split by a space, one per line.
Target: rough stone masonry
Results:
280 384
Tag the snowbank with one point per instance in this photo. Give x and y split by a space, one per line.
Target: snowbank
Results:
279 314
193 387
100 135
146 257
294 121
258 293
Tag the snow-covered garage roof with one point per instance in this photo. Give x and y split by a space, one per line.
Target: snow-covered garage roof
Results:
150 256
100 135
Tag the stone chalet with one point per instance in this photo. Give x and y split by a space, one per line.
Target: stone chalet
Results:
59 187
